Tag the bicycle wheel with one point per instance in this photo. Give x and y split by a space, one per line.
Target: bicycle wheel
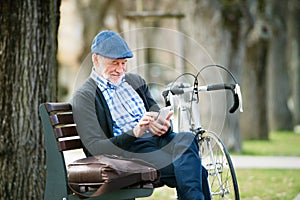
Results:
221 174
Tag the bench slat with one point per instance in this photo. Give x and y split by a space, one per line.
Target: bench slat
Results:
68 131
66 145
52 107
60 119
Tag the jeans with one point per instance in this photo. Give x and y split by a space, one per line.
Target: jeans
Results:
176 155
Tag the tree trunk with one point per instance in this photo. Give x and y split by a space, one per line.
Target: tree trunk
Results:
279 115
28 76
294 55
254 120
236 19
254 123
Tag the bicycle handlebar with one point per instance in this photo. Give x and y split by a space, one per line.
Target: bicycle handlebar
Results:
234 88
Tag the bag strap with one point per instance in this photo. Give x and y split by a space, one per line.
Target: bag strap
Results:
110 186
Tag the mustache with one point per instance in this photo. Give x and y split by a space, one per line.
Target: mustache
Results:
116 73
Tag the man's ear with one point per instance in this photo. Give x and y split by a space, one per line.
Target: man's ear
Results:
95 59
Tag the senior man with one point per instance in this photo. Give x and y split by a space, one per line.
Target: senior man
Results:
116 114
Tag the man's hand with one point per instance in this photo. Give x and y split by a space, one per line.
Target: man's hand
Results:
160 126
143 124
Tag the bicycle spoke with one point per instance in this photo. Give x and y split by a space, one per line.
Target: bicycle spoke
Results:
219 169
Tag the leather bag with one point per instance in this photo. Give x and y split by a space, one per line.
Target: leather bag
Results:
106 173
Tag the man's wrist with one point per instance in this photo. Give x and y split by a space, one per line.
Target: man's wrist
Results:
135 132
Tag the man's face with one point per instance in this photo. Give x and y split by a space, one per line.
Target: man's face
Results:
110 69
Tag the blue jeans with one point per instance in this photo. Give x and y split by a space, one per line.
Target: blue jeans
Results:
176 155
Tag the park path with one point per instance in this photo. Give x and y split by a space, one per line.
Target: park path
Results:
267 162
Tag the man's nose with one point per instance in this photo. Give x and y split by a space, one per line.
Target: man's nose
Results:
120 67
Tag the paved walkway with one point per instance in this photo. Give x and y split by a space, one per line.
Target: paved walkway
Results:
267 162
270 162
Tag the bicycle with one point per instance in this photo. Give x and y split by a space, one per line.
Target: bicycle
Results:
215 156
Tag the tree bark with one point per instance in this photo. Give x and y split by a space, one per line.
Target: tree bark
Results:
238 22
28 77
279 115
293 52
255 122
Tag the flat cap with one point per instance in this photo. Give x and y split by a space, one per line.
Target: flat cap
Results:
111 45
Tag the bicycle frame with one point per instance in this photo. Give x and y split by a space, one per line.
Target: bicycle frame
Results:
187 110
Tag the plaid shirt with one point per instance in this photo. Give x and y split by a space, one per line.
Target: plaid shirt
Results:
125 105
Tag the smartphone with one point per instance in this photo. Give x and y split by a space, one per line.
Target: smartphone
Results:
163 112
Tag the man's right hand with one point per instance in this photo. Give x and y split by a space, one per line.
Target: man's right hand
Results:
143 124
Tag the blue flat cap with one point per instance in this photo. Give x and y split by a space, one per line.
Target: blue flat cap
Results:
111 45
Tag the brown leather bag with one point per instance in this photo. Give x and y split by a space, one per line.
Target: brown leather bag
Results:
108 173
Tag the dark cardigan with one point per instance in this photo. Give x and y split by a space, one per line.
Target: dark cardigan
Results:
94 121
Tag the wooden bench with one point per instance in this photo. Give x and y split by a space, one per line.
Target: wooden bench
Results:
60 135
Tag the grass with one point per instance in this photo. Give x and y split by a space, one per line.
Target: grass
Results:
280 143
261 184
254 184
268 184
162 193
